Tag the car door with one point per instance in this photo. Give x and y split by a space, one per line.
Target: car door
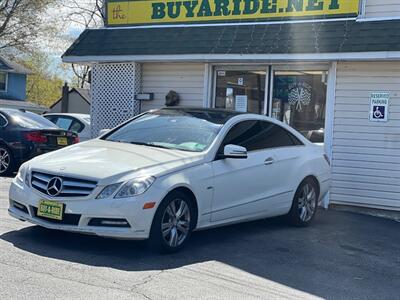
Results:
242 186
287 152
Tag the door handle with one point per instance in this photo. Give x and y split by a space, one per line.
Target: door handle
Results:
269 161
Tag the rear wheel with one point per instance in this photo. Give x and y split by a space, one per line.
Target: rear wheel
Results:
305 203
6 161
173 223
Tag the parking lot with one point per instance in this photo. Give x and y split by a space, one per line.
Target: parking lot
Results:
342 256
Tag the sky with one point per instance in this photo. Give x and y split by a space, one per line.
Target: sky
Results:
55 45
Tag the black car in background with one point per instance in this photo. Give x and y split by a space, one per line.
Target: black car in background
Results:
24 135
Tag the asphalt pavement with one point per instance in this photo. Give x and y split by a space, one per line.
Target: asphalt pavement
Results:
341 256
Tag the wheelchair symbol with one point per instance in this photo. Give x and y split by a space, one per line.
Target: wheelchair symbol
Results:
378 113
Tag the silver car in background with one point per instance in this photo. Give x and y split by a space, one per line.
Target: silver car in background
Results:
79 123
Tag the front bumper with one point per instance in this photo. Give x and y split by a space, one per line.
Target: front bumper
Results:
83 211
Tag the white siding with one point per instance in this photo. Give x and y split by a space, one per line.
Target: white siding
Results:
185 79
366 155
382 8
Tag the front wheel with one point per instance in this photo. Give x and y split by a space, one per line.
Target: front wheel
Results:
305 203
173 223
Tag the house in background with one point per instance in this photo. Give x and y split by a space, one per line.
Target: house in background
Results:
74 100
13 87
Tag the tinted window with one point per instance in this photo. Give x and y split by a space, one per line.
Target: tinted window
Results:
3 121
29 120
257 135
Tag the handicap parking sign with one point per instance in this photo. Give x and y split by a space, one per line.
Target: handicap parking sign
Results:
379 107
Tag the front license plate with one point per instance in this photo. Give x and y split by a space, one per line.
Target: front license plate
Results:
51 210
62 141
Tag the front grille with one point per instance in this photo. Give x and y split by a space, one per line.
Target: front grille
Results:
71 187
68 219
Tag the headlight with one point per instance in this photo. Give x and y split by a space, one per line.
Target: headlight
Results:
135 187
23 175
108 191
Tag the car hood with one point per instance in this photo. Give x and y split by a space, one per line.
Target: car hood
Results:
110 161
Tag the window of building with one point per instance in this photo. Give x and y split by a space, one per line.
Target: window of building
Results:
3 81
241 90
299 99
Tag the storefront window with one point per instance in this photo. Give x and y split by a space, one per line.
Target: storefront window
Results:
299 99
240 90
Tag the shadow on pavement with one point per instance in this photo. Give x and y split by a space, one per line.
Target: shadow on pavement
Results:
326 259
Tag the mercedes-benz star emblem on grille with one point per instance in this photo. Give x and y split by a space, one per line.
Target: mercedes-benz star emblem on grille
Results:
54 187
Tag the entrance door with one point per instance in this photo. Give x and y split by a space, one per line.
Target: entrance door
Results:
241 90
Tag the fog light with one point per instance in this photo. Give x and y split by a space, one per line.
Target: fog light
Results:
109 222
118 223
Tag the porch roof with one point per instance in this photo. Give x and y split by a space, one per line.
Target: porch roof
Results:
318 37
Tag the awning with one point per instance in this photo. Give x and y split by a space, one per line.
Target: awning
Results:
314 39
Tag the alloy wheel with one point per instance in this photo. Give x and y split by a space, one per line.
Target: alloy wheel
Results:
5 160
175 223
307 202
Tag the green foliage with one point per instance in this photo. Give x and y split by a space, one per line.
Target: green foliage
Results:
44 85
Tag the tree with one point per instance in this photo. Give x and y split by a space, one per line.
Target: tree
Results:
85 14
20 23
43 86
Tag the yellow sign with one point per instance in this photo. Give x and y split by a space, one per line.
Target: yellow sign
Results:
147 12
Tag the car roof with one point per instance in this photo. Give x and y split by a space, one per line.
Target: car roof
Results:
214 115
68 114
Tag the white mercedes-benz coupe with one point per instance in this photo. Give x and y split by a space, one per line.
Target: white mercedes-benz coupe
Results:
166 173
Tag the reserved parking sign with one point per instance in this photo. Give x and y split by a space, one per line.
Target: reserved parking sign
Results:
379 107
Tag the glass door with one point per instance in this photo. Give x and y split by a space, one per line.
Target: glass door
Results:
241 89
299 99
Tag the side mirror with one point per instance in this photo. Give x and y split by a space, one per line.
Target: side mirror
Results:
235 151
104 131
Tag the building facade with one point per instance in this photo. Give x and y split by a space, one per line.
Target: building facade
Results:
78 102
12 80
329 68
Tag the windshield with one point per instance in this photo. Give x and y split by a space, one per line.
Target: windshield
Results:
168 129
30 120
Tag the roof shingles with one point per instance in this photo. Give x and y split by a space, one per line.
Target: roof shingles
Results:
289 38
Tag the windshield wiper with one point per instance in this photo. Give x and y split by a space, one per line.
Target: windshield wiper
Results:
151 145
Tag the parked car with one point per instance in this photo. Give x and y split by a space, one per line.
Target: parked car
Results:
79 123
168 172
24 135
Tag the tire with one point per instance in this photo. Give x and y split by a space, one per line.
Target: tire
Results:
6 161
304 208
168 233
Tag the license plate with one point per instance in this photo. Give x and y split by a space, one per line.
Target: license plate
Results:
51 210
62 141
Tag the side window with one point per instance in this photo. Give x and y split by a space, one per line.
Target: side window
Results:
52 119
64 123
258 135
3 121
274 136
243 134
76 126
